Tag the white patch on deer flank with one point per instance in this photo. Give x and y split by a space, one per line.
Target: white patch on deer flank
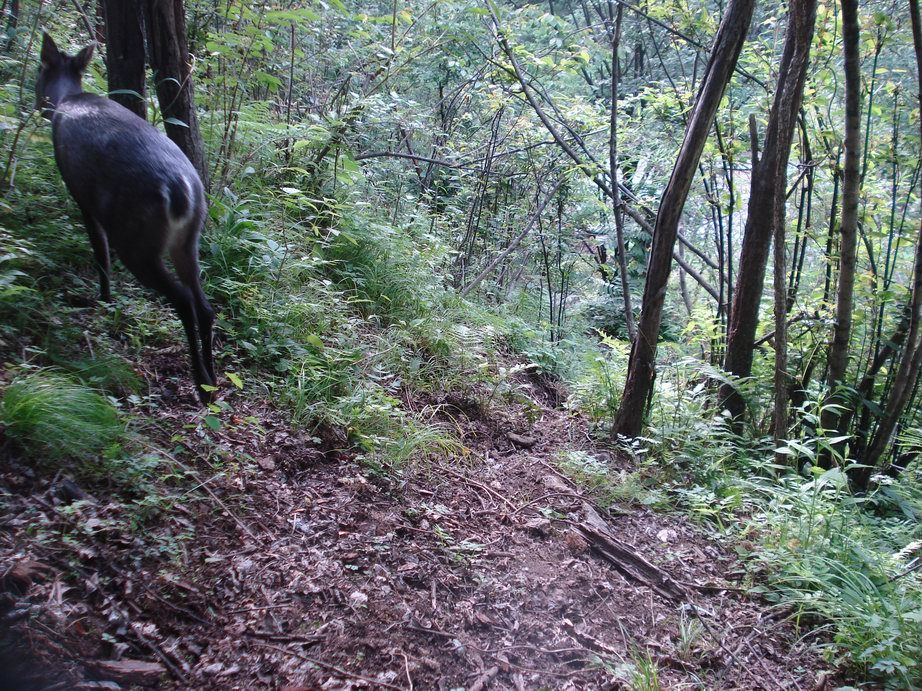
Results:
176 225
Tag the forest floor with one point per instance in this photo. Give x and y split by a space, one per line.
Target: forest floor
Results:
296 566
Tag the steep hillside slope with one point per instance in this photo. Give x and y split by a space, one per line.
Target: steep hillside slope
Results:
280 559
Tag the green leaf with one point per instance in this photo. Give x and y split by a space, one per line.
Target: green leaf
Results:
213 423
235 380
294 16
349 165
268 80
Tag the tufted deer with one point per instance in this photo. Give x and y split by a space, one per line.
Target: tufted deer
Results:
137 191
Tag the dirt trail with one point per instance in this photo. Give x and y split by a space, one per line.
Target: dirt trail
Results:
302 570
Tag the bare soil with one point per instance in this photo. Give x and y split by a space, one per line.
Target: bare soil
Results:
292 564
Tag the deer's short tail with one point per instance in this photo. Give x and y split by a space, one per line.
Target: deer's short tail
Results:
179 199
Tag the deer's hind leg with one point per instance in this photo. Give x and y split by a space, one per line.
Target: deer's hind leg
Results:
185 262
100 244
152 273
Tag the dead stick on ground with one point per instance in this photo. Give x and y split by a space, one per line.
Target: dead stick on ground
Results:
287 605
626 559
571 495
589 500
717 639
432 632
484 679
240 524
174 670
630 563
492 492
182 610
328 666
765 667
406 666
89 343
710 587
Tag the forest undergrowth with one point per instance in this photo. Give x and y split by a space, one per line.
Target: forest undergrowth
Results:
271 557
332 337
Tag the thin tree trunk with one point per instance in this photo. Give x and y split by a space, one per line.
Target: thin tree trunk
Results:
769 180
837 359
617 211
908 369
683 286
890 349
726 162
804 232
515 242
780 379
639 385
12 22
831 230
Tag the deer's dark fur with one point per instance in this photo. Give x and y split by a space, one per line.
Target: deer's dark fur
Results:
138 194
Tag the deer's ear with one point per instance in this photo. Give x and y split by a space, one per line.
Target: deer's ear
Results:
82 59
50 55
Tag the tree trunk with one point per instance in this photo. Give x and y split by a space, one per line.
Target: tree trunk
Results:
165 24
908 369
727 46
125 54
781 383
838 351
769 180
617 211
801 20
837 360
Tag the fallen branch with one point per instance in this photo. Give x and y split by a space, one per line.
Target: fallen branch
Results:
172 667
771 334
412 157
699 279
630 564
486 489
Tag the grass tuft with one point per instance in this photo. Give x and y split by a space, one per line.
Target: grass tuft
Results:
49 414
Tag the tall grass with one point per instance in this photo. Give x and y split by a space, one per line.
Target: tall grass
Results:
843 562
54 417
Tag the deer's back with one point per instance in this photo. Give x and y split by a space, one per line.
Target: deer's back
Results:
120 169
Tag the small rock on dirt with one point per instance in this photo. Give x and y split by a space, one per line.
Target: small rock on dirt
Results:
539 525
521 440
666 535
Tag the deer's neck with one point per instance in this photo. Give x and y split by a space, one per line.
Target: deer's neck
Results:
60 90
